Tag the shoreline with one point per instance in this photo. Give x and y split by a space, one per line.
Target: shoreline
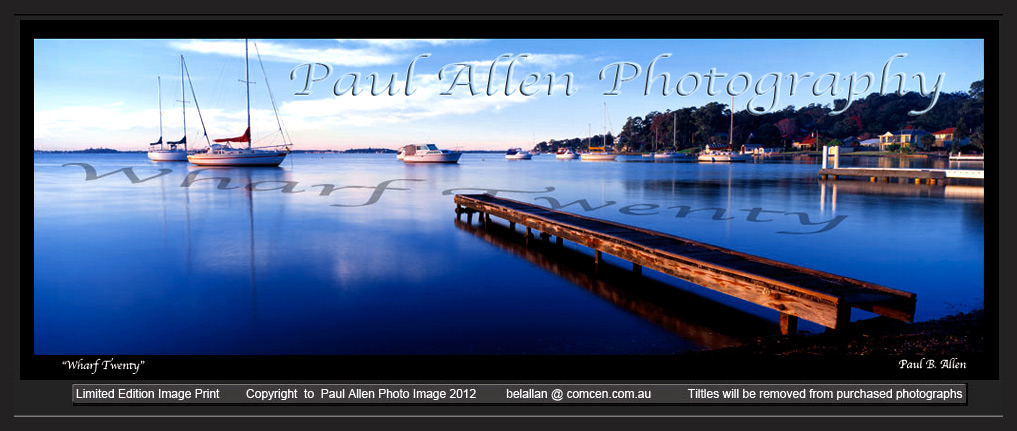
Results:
962 333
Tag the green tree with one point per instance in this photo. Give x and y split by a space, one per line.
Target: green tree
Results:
927 141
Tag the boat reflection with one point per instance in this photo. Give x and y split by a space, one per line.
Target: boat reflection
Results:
950 191
706 323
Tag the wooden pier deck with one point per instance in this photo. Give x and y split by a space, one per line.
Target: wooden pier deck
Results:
930 176
795 292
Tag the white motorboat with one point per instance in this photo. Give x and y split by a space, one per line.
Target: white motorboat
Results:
223 154
517 154
566 154
428 153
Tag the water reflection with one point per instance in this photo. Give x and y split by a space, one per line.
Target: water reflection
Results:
706 323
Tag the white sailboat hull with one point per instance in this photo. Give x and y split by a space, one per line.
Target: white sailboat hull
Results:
598 157
670 156
238 158
569 156
168 155
526 156
724 157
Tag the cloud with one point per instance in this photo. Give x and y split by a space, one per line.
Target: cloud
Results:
403 44
273 51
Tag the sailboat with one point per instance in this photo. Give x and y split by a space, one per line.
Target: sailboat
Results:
725 156
672 155
223 154
601 153
173 154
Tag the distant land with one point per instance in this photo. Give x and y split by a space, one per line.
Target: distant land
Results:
350 151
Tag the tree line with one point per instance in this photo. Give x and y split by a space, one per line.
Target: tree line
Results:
874 115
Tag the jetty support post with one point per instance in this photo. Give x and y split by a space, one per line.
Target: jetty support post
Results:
826 153
788 324
836 157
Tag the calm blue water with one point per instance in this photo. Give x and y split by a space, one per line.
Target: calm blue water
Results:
320 259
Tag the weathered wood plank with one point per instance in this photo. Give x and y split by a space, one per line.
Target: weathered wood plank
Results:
794 291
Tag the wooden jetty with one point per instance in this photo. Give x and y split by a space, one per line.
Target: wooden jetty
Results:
795 292
706 323
930 176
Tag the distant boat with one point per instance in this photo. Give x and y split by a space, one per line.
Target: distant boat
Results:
173 154
517 154
598 154
723 156
726 156
428 153
968 157
222 154
671 155
566 154
601 153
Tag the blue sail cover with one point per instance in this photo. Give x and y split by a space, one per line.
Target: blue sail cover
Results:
181 141
157 143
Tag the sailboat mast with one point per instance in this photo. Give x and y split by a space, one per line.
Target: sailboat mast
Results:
183 100
730 133
247 80
674 130
159 79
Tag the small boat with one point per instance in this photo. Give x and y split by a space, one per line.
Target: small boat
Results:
428 153
566 154
601 153
723 156
671 155
517 154
222 154
162 154
598 154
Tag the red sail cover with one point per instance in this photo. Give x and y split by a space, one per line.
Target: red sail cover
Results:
246 137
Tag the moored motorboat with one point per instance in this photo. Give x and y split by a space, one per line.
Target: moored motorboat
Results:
517 154
428 153
566 154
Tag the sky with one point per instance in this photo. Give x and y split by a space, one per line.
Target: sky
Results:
107 93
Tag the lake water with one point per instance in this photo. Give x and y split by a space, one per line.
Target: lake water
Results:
361 254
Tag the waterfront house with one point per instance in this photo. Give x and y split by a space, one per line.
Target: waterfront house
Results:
944 137
808 143
759 149
904 138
